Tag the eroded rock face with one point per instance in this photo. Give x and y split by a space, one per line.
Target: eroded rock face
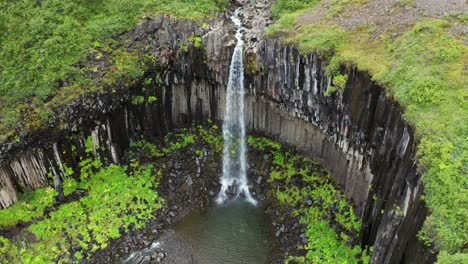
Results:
359 133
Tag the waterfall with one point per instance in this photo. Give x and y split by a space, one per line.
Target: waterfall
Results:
234 179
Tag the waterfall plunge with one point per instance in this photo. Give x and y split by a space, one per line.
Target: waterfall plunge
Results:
234 178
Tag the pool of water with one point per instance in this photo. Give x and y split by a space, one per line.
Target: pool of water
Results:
233 233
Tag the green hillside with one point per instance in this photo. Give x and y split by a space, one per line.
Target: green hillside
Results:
42 43
422 63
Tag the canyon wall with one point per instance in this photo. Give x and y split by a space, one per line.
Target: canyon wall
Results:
359 133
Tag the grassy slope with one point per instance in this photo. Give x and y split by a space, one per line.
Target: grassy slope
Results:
422 67
43 41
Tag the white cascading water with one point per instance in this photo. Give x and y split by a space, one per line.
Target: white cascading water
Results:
234 179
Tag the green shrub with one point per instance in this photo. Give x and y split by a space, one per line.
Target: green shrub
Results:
340 81
458 258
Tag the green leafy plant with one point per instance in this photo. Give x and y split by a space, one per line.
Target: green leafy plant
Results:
196 40
116 199
30 205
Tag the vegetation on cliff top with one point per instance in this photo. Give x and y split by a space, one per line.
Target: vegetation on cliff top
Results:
423 66
43 45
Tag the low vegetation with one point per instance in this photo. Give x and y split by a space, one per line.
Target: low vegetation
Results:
31 206
423 67
304 188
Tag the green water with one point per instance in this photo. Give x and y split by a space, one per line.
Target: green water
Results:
233 233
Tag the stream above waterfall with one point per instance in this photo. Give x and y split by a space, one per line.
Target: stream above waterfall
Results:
233 233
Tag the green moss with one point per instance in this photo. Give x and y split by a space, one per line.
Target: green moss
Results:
147 148
136 100
178 141
457 258
340 81
152 99
196 40
212 136
330 90
183 46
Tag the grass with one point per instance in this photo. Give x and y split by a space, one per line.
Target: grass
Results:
336 7
42 43
284 7
422 67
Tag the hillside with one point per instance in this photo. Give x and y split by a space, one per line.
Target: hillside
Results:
417 50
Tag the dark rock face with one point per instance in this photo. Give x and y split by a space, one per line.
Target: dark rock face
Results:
359 133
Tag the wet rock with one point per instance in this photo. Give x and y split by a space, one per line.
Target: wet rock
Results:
232 190
172 213
189 181
259 179
278 233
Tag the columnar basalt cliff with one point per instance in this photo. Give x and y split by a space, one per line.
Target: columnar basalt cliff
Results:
359 133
